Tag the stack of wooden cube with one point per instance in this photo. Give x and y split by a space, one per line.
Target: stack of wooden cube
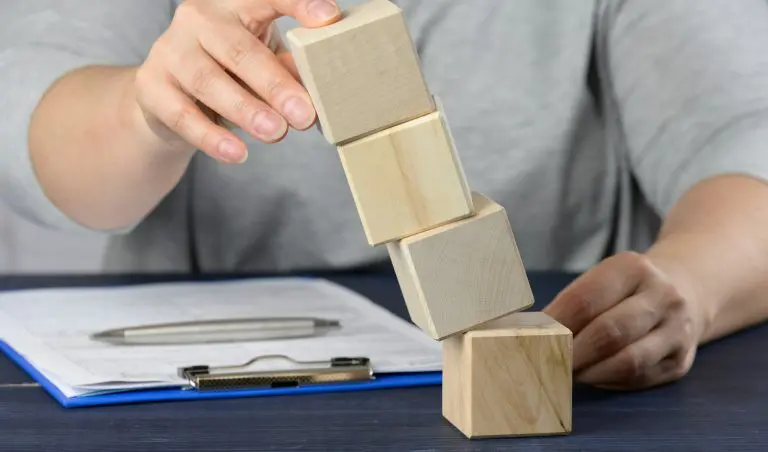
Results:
505 372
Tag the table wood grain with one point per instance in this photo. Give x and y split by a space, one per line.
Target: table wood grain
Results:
722 405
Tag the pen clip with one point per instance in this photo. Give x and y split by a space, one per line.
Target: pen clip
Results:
337 369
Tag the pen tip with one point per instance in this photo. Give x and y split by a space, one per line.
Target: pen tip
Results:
107 335
329 323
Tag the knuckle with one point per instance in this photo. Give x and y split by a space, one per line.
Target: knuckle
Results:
149 88
242 108
681 365
207 139
647 313
181 118
201 81
638 261
252 24
161 52
240 50
687 335
679 371
188 10
274 85
674 300
612 335
240 105
630 256
158 47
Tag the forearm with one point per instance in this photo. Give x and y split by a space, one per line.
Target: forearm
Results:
714 244
94 154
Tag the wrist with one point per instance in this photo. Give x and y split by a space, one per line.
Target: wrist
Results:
152 136
679 257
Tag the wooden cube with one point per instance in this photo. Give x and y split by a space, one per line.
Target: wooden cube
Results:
462 274
362 72
511 377
406 179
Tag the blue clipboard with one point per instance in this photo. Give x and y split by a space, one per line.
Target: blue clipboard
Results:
382 381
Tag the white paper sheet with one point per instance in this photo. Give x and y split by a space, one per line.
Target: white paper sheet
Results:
51 328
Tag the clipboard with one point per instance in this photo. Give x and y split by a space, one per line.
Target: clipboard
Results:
335 370
338 374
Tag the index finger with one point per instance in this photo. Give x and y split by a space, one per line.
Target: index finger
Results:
596 291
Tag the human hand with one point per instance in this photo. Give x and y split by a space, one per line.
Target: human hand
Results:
632 326
224 60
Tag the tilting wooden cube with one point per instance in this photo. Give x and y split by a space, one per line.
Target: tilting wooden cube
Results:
510 377
462 274
362 72
406 179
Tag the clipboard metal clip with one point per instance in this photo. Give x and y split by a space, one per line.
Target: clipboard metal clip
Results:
335 370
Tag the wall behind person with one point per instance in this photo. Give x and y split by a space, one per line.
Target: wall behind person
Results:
26 248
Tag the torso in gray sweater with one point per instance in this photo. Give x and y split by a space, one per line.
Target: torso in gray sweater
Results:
585 119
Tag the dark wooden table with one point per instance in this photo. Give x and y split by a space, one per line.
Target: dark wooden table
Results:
722 405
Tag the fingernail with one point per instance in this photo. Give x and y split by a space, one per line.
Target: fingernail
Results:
299 112
322 10
268 125
232 152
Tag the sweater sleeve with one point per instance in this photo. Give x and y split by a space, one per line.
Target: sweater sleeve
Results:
689 79
42 40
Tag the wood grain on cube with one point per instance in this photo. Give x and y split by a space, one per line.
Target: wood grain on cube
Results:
362 72
462 274
510 377
406 179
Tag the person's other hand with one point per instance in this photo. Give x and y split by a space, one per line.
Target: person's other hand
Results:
632 326
224 60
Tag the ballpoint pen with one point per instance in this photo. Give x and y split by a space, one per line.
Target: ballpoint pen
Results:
221 330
